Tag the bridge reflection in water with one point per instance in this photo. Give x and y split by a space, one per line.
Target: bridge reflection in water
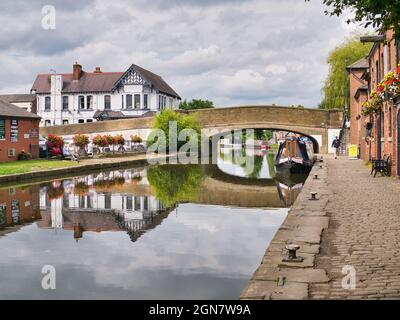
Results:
137 200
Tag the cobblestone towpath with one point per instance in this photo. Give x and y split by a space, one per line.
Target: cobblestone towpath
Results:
353 229
363 232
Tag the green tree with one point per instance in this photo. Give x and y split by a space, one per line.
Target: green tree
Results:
334 89
381 14
196 104
166 120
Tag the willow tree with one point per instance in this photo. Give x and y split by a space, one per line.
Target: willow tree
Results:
335 87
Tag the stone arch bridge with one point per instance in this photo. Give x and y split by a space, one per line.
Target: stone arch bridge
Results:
320 125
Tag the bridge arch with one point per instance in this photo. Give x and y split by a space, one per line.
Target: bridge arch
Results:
214 132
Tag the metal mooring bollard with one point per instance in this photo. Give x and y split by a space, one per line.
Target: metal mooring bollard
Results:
315 176
313 195
291 253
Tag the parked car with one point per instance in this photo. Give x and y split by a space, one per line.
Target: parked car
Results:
42 147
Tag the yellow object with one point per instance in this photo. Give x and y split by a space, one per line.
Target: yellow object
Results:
353 151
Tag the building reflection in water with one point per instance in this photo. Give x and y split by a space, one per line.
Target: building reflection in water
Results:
111 201
18 207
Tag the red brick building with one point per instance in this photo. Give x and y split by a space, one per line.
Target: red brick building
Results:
377 133
19 130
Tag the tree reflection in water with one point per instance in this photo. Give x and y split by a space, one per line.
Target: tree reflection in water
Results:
175 183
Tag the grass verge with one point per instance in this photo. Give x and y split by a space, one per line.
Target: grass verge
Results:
33 165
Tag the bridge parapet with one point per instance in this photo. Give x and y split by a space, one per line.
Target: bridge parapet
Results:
319 124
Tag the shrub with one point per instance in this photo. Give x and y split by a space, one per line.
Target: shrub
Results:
136 139
54 144
54 141
81 140
109 140
24 155
119 140
99 141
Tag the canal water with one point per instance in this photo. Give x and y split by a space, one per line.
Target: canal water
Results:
155 232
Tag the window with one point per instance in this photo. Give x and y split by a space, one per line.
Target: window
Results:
81 102
382 67
164 102
81 121
129 101
107 102
65 121
390 121
145 101
89 102
11 152
377 73
171 102
47 123
89 120
137 101
389 55
47 103
122 102
65 102
2 129
159 102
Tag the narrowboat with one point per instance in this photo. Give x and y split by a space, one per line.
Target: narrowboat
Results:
295 155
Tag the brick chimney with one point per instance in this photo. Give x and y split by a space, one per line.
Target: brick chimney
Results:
97 70
77 71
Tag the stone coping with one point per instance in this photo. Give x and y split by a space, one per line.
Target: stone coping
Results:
276 279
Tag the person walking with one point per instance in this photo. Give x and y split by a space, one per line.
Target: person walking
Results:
336 145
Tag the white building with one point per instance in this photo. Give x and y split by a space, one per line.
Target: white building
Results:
80 96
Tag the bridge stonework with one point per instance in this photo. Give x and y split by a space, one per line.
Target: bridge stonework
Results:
315 123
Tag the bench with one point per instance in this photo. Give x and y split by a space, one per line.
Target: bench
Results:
383 166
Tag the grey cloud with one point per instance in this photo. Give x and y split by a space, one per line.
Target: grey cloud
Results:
197 46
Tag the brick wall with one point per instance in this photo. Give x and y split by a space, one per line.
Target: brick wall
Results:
24 142
381 63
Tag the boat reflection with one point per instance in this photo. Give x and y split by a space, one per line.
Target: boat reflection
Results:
250 163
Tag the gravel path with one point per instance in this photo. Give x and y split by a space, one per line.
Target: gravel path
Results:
364 232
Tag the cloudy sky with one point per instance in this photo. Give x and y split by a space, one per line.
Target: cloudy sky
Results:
230 51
